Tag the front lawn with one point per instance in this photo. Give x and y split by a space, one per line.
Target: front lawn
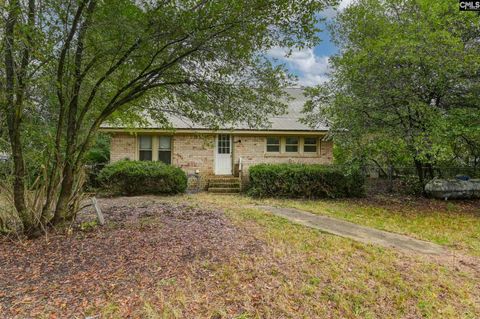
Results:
339 278
205 256
455 224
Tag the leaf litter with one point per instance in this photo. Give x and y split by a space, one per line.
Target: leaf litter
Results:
145 242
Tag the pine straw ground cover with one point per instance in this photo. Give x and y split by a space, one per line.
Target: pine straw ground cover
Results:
209 257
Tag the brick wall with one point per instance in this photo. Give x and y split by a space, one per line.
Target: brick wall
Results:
190 152
252 150
123 146
193 152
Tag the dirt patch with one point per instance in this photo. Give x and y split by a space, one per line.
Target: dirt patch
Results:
145 242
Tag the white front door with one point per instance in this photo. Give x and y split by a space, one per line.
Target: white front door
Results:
223 155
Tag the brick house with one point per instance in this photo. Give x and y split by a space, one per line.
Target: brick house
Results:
224 154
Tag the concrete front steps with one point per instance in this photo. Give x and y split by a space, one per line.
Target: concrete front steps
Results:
224 185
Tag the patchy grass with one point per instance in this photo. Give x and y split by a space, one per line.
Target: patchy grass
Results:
312 274
455 224
181 257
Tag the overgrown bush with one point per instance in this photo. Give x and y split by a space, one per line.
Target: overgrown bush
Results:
96 159
410 185
99 153
5 169
141 177
308 181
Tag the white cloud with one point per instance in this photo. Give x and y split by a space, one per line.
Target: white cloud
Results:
310 68
344 3
330 13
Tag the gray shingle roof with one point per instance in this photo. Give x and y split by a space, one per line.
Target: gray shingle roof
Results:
286 122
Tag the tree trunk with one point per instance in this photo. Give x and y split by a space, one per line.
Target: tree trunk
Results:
65 212
19 175
420 172
14 115
61 210
390 178
68 177
430 171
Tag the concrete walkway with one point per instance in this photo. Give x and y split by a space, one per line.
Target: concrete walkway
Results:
356 232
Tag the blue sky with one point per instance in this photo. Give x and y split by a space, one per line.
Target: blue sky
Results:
311 65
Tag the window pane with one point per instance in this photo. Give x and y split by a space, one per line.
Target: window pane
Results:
165 142
292 140
145 142
165 156
273 144
291 144
310 140
291 148
273 148
310 148
273 140
145 155
223 144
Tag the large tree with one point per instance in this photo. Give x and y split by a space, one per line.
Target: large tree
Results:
408 71
16 53
70 65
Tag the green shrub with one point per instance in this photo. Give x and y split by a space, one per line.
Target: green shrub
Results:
410 185
308 181
5 169
99 153
138 178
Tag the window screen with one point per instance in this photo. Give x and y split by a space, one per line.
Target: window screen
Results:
310 145
145 148
165 149
273 144
291 144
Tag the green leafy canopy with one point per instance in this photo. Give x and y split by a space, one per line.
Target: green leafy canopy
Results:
69 66
405 86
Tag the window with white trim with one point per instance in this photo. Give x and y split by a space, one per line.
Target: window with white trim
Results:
273 144
223 144
165 149
291 144
145 149
309 145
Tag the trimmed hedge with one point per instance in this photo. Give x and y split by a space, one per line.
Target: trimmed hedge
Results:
307 181
142 177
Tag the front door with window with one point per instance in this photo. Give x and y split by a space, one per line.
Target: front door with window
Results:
223 155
